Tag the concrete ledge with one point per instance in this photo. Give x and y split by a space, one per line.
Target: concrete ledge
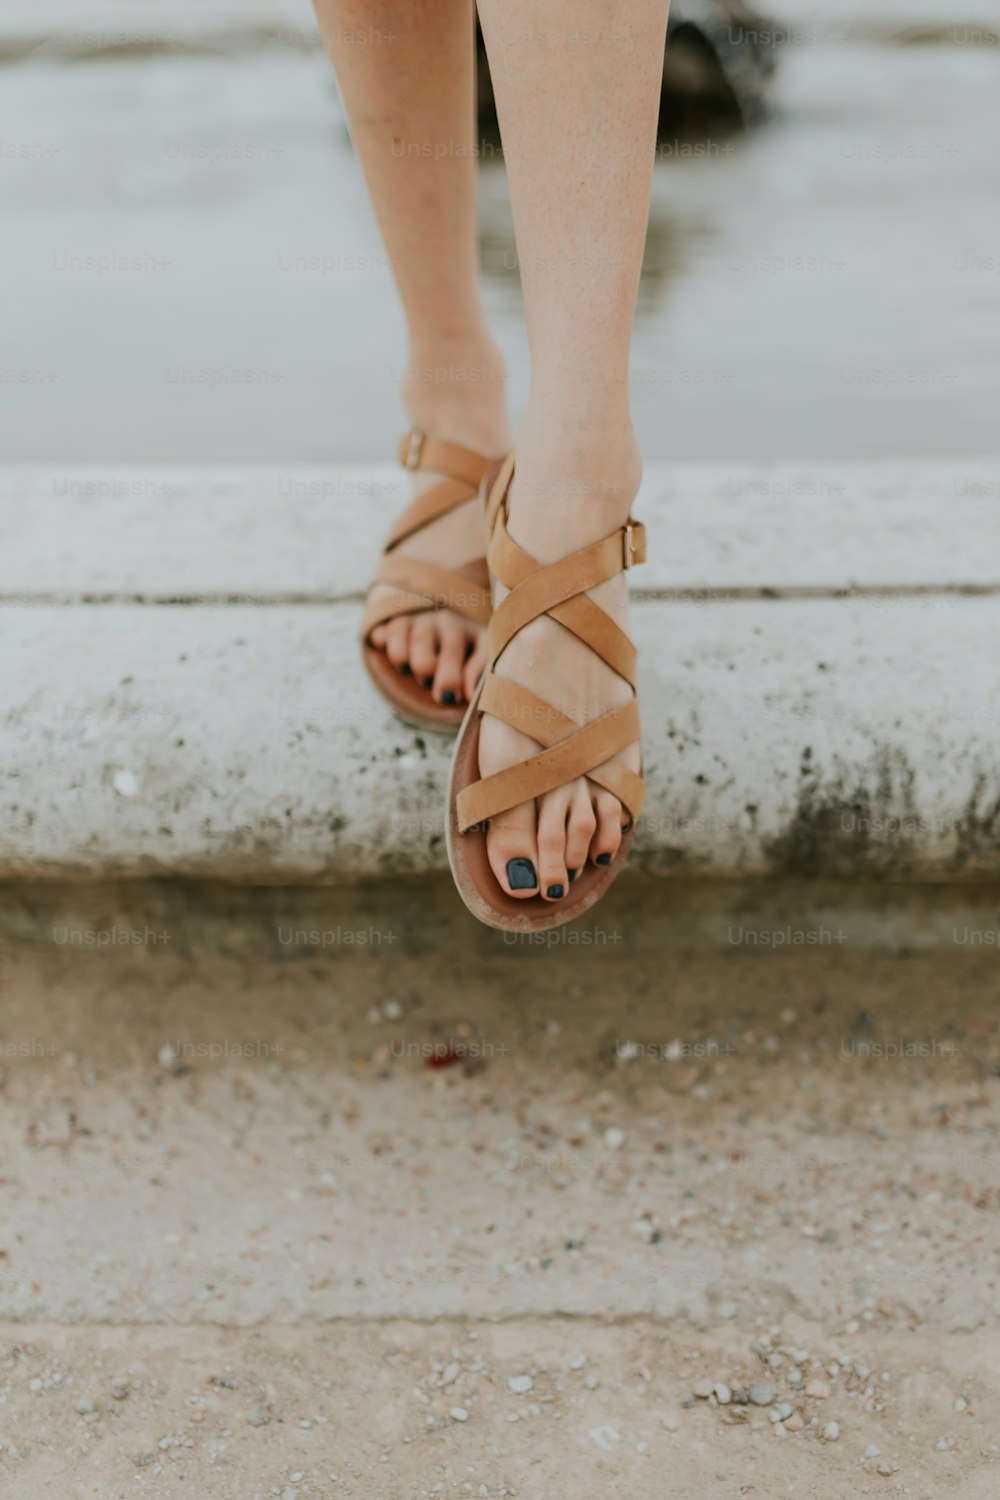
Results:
183 694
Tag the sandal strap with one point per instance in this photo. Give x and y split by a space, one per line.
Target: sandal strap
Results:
522 709
427 508
498 491
418 451
580 753
419 585
559 590
535 588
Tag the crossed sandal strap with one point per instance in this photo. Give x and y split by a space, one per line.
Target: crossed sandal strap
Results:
558 590
524 710
418 585
580 753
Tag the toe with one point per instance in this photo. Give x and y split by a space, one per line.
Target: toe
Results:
513 850
397 643
423 649
580 828
553 881
451 660
378 636
608 834
474 666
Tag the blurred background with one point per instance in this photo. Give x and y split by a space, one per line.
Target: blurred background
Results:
191 270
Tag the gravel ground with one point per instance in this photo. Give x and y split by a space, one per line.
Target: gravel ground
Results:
326 1193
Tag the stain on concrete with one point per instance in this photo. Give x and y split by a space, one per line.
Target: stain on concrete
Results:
851 821
977 831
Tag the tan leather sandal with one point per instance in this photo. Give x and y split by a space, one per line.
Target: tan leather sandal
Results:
568 750
418 585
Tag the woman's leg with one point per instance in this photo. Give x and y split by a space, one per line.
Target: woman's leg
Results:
406 74
577 84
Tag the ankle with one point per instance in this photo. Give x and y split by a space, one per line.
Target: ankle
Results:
458 392
577 479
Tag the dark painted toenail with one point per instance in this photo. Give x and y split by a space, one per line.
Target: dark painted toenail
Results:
448 696
521 875
572 875
406 669
554 892
604 859
428 682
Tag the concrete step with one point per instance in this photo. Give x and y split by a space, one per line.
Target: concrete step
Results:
184 694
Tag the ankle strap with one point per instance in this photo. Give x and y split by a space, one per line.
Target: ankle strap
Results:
418 451
632 534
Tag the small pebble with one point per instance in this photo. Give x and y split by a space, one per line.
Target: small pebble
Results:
393 1010
258 1416
784 1410
761 1392
614 1139
942 1445
703 1389
592 1382
885 1469
831 1432
872 1452
818 1389
84 1405
578 1361
961 1404
672 1423
298 1477
459 1414
451 1374
520 1384
723 1394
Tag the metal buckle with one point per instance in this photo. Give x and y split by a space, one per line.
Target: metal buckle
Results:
628 546
413 452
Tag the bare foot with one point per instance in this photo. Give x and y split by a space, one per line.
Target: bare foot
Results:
559 503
